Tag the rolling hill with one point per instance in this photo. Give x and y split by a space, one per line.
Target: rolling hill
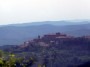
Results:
18 33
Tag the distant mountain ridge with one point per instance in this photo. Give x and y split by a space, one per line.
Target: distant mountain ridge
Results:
18 33
58 23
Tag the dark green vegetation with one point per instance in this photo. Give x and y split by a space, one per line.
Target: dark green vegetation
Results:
55 55
12 60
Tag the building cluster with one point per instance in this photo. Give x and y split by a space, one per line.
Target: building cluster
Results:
57 38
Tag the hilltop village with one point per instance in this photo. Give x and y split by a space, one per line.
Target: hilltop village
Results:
54 50
57 38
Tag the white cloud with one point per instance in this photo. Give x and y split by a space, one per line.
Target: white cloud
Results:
18 11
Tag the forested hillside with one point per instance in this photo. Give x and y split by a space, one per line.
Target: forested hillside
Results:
51 50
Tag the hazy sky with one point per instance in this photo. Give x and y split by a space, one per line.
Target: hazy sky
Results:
21 11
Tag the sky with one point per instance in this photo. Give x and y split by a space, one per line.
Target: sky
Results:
23 11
